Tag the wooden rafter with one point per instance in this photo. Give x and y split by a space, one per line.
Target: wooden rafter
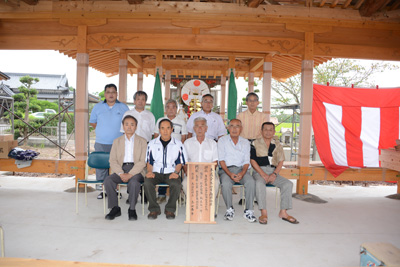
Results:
370 7
30 2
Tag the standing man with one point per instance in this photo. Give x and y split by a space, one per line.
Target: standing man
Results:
234 159
165 158
216 127
127 162
179 133
106 119
251 119
201 149
267 160
145 118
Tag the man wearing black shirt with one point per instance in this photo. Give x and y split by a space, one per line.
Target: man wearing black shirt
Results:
267 160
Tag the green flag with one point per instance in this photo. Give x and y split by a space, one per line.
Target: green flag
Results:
232 97
157 107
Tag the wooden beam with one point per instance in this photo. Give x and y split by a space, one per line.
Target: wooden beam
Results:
254 3
135 2
31 2
334 3
256 64
73 167
346 4
370 7
136 60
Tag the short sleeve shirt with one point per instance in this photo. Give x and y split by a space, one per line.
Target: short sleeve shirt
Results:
108 120
179 127
216 126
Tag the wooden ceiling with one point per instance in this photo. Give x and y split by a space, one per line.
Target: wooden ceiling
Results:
197 65
205 38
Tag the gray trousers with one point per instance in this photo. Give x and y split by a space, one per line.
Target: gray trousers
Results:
227 184
110 183
175 187
101 174
282 183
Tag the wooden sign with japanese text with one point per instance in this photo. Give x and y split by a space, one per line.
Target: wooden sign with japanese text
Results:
200 199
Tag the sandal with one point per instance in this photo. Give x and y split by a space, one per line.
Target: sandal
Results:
263 219
291 219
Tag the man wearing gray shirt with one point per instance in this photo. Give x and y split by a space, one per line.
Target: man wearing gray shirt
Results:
234 159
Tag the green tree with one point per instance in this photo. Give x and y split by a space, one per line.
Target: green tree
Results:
26 94
336 72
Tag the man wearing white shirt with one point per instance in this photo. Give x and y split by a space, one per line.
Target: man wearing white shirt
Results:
201 149
234 159
146 120
127 162
216 126
179 133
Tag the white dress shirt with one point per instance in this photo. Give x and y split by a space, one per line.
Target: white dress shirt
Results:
216 126
179 127
129 146
234 155
207 151
146 123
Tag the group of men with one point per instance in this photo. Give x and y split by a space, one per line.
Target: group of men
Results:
248 154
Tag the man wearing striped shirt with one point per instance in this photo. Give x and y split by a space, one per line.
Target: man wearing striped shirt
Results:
251 119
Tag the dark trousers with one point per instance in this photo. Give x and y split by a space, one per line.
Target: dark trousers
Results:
175 186
134 185
101 174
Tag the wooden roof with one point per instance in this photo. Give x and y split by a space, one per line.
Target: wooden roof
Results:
205 38
197 65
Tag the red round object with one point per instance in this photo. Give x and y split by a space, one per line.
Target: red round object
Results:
185 97
196 83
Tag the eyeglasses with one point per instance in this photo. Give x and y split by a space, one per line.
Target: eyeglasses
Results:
252 101
208 101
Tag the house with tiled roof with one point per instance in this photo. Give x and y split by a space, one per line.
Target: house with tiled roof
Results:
49 87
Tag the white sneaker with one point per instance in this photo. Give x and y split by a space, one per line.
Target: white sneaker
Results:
249 216
229 214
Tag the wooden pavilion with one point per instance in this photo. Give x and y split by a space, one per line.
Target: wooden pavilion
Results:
208 39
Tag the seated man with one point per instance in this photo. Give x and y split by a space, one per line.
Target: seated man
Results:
201 149
165 157
234 159
127 162
267 160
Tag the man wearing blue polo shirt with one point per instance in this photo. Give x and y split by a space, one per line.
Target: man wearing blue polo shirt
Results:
106 119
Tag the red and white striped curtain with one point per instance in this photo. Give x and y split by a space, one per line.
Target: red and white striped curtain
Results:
351 125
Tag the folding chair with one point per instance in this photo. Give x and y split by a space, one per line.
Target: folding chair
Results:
162 185
96 160
2 241
235 185
277 194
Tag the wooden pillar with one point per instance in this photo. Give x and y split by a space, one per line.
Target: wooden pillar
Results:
81 97
167 85
267 81
251 82
223 96
123 73
140 80
303 159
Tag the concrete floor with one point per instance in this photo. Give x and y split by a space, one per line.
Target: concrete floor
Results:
39 221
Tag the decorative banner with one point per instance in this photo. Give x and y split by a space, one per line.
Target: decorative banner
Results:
194 89
351 125
232 98
157 107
